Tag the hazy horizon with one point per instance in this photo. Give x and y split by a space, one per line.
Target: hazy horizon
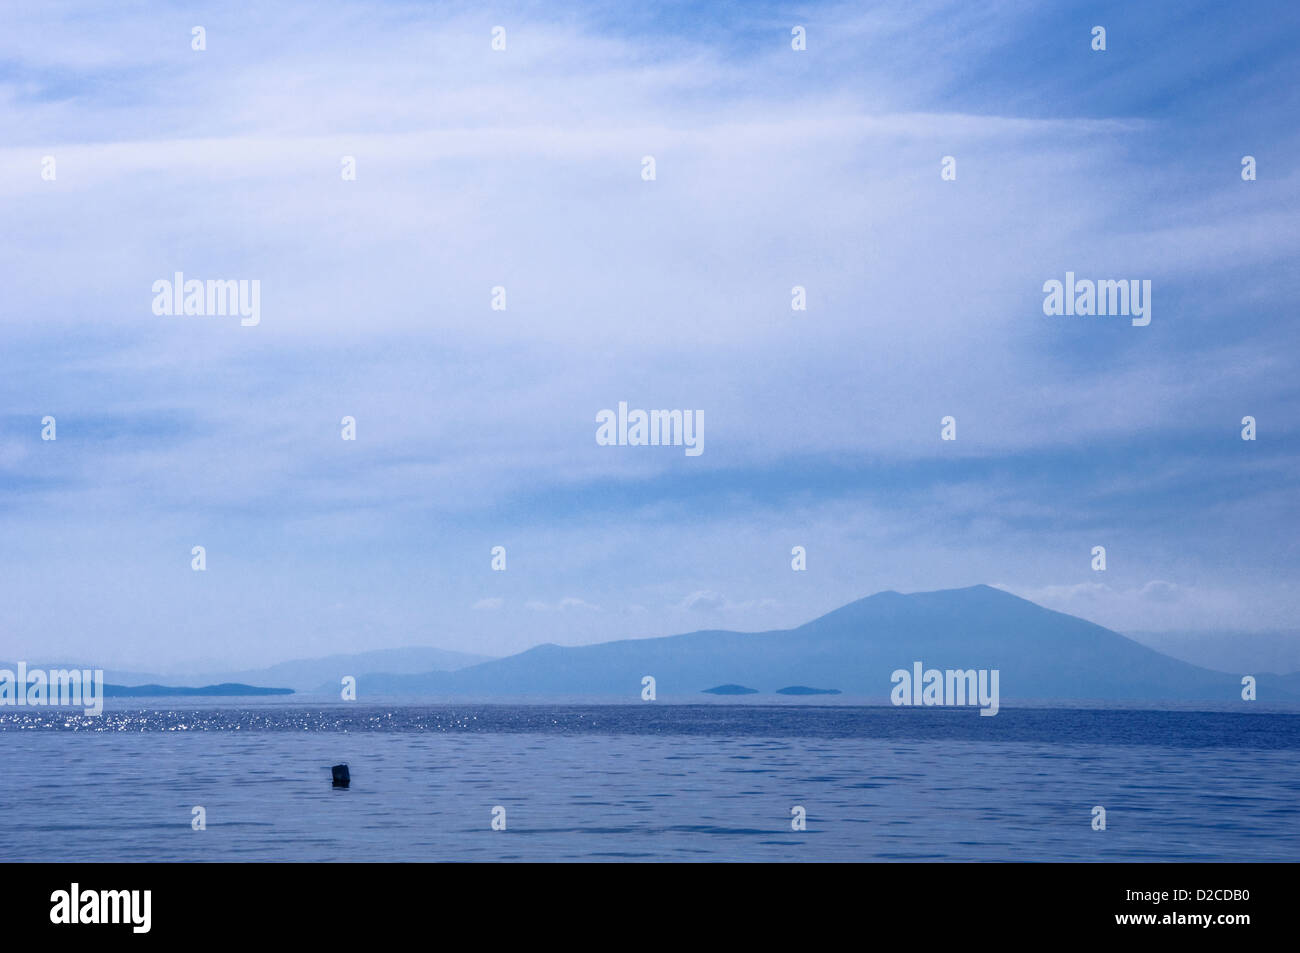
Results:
1275 653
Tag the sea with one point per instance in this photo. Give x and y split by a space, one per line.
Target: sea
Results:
645 782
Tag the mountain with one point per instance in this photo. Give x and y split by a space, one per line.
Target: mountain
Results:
303 675
1041 655
308 674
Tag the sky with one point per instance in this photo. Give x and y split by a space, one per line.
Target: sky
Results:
522 168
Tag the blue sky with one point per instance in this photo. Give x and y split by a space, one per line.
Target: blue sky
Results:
522 168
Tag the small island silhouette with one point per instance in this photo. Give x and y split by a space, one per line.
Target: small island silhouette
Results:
731 689
805 690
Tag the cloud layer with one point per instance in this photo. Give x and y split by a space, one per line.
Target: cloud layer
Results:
521 169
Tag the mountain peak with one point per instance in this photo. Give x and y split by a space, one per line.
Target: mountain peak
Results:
882 605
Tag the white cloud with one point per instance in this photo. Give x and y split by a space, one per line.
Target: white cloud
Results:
706 600
565 604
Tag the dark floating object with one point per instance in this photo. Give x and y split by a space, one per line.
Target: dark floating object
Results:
805 690
731 690
341 777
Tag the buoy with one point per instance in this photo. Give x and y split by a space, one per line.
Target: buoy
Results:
341 777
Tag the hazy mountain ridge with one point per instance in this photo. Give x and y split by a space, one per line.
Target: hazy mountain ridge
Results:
1041 654
302 675
1223 650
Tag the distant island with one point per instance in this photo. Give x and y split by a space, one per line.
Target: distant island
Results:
156 691
805 690
731 690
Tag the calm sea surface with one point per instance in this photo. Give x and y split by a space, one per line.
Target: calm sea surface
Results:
647 782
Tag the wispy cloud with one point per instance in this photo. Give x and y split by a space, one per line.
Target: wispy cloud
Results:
521 169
